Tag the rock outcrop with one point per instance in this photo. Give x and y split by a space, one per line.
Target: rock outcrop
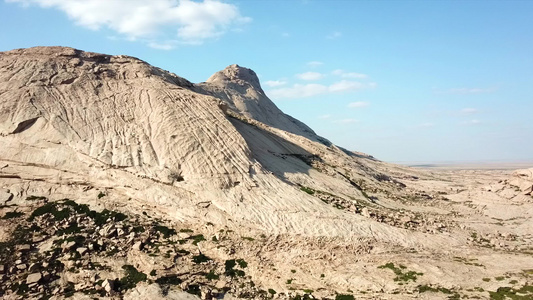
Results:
118 122
122 180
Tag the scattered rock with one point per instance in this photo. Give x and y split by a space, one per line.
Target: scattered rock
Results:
365 212
33 278
183 235
137 246
33 267
108 285
82 250
131 236
221 284
5 197
68 245
120 232
405 219
108 230
39 238
25 247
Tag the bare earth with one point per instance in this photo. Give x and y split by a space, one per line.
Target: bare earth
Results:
212 192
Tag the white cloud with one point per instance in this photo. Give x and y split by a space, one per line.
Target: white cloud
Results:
314 89
345 121
334 35
275 83
427 125
324 116
465 91
285 35
472 122
189 21
343 74
468 111
162 46
310 76
315 63
358 104
299 91
346 85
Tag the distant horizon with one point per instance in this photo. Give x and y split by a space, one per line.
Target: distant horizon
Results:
473 165
403 81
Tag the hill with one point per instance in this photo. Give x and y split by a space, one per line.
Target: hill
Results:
200 182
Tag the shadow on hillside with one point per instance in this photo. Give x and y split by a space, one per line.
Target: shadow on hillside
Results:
275 154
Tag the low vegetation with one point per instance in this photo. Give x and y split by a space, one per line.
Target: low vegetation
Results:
401 274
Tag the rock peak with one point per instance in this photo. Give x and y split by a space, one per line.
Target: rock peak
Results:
237 74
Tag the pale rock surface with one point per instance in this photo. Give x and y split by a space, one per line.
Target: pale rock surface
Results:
154 292
71 116
114 132
240 88
33 278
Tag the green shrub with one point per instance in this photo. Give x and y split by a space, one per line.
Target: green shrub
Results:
307 190
133 276
169 280
165 231
197 238
344 297
200 258
212 275
400 275
12 215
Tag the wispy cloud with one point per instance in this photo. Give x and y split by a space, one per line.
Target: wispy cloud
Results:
315 63
162 46
314 89
275 83
468 111
334 35
310 76
344 74
184 22
298 91
345 121
358 104
471 90
346 85
324 116
426 125
285 34
471 122
466 91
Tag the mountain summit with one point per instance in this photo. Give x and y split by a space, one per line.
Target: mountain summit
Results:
106 120
236 74
241 89
123 180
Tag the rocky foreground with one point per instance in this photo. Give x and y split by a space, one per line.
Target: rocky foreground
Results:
121 180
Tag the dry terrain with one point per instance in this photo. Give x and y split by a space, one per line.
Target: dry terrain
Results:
121 180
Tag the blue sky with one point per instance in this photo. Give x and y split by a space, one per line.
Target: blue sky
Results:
405 81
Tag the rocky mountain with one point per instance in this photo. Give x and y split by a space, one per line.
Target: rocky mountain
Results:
210 188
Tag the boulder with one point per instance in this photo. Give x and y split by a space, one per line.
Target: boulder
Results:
82 250
365 212
108 285
137 246
33 278
5 196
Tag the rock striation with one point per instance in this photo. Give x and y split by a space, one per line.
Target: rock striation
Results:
121 180
119 122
